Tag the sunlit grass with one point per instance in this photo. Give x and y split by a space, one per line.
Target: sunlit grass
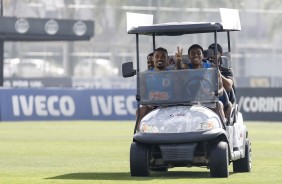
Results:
98 152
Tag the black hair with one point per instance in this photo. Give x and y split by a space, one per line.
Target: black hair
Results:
149 55
219 48
160 49
208 53
195 46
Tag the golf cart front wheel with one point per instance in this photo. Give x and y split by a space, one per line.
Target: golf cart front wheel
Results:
139 160
219 160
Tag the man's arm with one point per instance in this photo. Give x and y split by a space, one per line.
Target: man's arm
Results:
227 83
227 79
220 84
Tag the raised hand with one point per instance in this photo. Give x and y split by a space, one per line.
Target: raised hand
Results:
178 58
178 54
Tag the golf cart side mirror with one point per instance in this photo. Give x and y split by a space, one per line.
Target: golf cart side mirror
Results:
127 69
225 63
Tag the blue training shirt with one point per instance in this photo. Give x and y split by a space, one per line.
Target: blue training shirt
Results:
205 65
159 85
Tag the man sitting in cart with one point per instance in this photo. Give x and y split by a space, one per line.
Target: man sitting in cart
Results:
150 62
160 87
195 55
226 75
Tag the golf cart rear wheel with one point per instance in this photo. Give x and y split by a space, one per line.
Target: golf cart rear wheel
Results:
244 164
139 160
219 160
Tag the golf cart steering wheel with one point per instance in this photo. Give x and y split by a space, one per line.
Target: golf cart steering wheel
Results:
198 87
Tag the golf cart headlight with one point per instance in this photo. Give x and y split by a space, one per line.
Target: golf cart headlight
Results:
145 128
208 125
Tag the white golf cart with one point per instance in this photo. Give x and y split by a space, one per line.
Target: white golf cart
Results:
185 130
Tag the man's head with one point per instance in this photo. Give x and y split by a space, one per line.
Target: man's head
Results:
150 62
195 54
219 48
219 53
160 58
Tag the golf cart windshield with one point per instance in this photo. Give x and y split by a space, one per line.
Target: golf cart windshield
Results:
171 87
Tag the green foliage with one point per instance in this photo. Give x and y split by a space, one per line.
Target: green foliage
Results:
98 152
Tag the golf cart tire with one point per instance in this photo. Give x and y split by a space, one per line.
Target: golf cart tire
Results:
219 160
244 164
139 160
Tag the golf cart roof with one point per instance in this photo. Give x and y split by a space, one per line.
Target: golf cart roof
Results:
179 28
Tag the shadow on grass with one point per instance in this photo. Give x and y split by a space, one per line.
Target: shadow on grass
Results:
126 176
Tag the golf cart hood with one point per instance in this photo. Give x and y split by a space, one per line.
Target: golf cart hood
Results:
179 124
180 119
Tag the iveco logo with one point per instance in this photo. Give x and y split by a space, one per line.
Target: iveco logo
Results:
51 27
22 26
79 28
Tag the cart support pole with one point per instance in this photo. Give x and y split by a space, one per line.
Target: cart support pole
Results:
138 84
228 41
215 47
1 51
154 41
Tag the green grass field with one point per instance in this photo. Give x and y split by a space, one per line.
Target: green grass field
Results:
98 152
